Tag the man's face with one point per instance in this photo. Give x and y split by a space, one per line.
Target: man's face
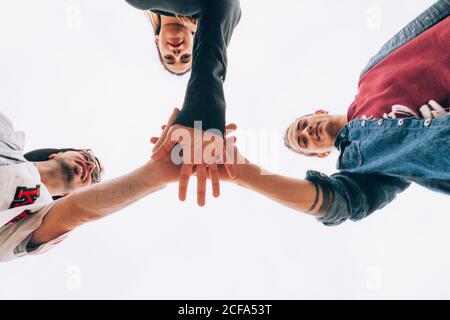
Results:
313 134
78 169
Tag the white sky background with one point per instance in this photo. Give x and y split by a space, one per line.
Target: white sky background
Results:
85 73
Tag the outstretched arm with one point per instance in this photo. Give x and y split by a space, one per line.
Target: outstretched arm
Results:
98 201
332 200
205 98
296 194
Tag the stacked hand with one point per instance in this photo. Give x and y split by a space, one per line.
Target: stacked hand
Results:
193 152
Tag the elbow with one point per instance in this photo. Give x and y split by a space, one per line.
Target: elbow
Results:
336 216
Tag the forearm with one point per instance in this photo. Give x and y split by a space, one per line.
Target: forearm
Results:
296 194
205 98
96 202
205 102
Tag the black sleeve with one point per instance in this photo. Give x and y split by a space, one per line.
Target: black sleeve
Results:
181 7
205 99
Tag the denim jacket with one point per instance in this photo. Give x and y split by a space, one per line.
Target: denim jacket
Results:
381 158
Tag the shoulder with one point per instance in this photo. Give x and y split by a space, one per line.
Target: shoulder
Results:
10 140
14 237
4 120
230 6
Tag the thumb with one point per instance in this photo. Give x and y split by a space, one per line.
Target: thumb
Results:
230 128
154 140
173 116
164 148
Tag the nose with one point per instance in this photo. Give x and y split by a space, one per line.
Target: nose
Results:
176 52
310 131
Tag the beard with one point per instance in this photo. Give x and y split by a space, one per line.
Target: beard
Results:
67 173
332 131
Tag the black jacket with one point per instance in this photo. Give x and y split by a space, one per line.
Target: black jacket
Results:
204 100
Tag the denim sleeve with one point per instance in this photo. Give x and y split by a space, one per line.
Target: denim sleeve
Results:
355 197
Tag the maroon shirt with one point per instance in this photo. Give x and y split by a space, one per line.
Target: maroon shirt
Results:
405 81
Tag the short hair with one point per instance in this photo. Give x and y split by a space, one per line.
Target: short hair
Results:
286 140
42 155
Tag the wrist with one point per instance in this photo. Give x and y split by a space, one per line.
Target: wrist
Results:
244 173
154 176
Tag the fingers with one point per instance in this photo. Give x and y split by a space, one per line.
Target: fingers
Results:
165 144
164 149
202 172
158 140
166 128
185 175
201 185
173 117
215 180
162 138
230 157
154 140
231 170
230 128
158 143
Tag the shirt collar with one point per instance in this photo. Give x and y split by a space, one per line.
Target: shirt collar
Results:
342 138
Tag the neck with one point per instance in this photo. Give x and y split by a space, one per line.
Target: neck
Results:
342 122
339 124
50 177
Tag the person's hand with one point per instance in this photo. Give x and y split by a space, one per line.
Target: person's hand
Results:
191 143
168 172
241 161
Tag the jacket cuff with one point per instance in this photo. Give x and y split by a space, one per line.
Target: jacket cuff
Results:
216 123
334 210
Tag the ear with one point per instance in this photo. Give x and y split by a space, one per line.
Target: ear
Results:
157 40
324 155
320 111
54 156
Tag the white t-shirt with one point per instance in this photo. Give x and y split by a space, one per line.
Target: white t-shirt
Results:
24 199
